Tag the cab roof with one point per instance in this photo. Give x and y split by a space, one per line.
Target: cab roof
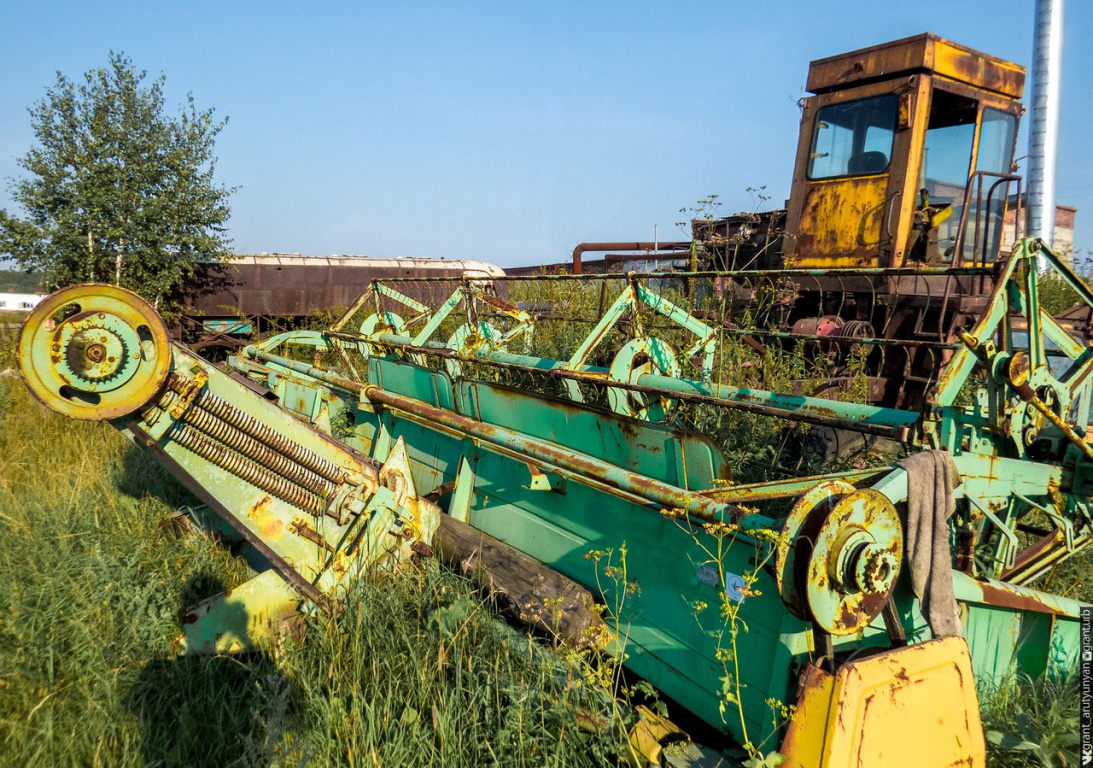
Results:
925 53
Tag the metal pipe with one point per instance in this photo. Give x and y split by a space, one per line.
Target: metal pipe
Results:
756 274
888 422
641 245
580 464
1043 133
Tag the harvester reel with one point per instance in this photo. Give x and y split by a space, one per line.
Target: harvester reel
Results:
94 352
377 324
637 358
839 557
468 340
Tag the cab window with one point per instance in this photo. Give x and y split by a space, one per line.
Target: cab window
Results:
950 135
853 138
996 141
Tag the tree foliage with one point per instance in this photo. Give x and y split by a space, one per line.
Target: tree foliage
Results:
117 189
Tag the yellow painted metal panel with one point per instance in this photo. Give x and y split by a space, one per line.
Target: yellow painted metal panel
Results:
239 619
912 707
922 54
841 223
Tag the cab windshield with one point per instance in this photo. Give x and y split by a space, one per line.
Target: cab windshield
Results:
853 138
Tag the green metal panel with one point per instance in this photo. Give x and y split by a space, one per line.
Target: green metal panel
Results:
686 460
434 387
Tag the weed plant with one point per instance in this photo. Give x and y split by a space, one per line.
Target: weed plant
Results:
1032 724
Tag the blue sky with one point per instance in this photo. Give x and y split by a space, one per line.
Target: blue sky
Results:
502 131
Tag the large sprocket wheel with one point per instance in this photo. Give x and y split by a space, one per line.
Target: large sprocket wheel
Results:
94 352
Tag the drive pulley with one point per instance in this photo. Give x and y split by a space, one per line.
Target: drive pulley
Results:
94 352
839 556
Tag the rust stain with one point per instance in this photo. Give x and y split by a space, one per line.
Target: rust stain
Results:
259 508
997 594
269 525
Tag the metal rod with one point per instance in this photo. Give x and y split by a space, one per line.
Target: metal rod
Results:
886 422
794 486
849 340
668 496
744 273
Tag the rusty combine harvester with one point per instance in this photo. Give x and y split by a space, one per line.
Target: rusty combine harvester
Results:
568 416
902 181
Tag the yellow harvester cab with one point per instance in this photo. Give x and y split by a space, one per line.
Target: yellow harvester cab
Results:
903 146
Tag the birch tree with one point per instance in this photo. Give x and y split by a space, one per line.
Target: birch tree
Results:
116 189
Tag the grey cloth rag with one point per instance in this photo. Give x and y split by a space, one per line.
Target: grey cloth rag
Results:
931 479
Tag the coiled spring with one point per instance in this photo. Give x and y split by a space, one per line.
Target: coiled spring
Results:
239 465
224 410
276 462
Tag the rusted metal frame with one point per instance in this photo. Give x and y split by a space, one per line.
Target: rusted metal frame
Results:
1058 520
835 272
994 479
705 336
874 341
885 422
758 273
1045 326
440 316
386 291
315 339
208 336
808 410
346 385
551 469
965 359
357 305
793 487
583 466
1028 394
402 343
339 348
892 422
625 300
524 322
1077 378
355 532
279 564
1066 343
1036 558
1031 312
813 410
1005 551
993 592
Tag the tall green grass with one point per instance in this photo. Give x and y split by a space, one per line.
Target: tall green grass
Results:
419 671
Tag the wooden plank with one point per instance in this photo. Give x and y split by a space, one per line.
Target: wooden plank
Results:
522 587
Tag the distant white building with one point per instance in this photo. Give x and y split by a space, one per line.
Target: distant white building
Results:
16 302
